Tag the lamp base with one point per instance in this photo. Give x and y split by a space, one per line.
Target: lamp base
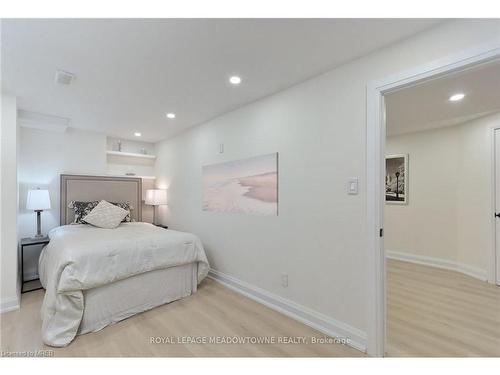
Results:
38 234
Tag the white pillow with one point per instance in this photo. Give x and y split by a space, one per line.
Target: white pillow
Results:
106 215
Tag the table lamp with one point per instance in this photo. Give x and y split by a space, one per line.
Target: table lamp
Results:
38 200
155 197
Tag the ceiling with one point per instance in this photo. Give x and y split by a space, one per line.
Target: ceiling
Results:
130 73
426 106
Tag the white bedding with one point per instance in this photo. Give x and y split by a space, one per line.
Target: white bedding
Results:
114 302
82 257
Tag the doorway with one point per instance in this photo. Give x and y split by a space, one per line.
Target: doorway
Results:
376 132
437 216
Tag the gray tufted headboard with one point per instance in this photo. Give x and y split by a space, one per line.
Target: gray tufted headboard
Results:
94 188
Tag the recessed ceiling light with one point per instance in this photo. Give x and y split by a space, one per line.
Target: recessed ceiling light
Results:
170 115
234 80
137 134
456 97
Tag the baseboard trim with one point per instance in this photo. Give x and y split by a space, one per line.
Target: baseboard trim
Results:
9 304
313 319
475 272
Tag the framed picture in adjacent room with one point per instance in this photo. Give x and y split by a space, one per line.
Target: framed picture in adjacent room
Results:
396 179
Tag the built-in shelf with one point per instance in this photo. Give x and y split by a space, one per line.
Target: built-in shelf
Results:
131 154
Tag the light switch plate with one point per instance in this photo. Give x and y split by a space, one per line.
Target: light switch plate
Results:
353 186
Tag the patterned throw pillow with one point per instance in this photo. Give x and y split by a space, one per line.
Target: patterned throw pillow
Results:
106 215
82 209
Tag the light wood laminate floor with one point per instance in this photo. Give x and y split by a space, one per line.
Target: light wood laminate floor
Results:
430 312
213 311
439 313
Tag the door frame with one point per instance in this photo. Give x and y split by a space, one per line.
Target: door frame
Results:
493 275
375 172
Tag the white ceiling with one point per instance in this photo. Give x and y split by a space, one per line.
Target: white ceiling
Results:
426 106
129 73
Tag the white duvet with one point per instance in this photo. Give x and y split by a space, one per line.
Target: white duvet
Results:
80 257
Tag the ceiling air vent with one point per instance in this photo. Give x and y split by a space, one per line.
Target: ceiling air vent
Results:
64 78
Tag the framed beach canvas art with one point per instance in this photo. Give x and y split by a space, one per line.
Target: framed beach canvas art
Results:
396 179
248 186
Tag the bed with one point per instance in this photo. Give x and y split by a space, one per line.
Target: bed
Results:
96 277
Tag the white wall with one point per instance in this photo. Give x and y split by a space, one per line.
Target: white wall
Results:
44 156
428 224
474 194
449 212
9 289
319 130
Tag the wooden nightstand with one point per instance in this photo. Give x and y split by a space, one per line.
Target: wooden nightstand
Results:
30 242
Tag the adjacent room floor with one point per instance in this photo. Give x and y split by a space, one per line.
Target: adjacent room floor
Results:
214 311
438 313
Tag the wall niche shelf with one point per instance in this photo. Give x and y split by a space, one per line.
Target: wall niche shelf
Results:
130 154
134 157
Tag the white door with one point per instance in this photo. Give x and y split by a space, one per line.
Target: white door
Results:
497 205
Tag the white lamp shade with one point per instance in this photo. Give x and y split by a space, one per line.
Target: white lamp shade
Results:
38 200
156 197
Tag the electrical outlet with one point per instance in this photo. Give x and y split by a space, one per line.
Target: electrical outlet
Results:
221 148
284 280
